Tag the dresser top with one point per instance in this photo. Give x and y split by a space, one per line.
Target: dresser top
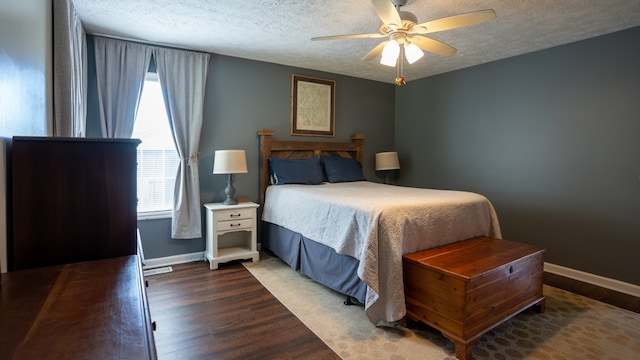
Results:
59 139
85 310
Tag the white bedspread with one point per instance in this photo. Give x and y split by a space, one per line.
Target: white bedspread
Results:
377 224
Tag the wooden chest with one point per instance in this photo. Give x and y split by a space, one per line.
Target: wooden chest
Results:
467 288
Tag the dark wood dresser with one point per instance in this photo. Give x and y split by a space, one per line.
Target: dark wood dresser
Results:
469 287
72 199
86 310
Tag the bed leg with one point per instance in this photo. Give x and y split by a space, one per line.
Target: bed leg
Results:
352 301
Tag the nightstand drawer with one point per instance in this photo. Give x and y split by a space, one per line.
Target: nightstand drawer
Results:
235 214
235 224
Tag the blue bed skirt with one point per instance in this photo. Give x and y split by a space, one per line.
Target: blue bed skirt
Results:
317 261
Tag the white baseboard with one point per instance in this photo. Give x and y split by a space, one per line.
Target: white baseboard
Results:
601 281
173 260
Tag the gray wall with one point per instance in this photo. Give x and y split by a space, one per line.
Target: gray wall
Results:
243 96
25 79
25 67
552 138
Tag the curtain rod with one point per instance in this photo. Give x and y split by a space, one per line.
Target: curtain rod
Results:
143 42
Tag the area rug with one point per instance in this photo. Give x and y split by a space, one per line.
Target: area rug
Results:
572 327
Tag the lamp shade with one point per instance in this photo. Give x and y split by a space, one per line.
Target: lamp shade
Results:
412 52
390 53
229 162
387 161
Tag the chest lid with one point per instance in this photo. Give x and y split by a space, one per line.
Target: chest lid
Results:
473 257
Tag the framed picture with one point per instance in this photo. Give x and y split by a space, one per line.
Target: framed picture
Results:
312 106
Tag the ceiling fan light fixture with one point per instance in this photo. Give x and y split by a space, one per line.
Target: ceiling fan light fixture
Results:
389 61
390 53
412 52
407 37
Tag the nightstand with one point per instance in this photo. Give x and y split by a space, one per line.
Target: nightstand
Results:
231 233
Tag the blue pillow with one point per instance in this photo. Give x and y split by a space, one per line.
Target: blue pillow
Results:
339 169
295 171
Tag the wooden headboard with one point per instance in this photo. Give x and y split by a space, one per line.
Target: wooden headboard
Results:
292 149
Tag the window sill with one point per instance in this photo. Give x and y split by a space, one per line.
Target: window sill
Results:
153 215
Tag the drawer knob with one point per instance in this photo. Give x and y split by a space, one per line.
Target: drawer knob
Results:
153 326
510 269
234 215
235 225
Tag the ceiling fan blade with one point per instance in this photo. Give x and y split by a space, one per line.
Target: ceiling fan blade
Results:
387 12
454 22
375 51
432 46
350 36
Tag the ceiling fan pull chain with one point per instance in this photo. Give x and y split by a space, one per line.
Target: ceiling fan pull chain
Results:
400 68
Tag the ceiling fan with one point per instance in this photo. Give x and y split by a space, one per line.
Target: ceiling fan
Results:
407 38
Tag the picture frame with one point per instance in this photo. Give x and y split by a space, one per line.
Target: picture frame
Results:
312 106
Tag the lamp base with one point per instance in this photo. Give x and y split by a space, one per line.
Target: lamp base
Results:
230 191
386 177
229 201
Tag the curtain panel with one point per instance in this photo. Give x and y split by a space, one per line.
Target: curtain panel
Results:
121 67
183 77
69 72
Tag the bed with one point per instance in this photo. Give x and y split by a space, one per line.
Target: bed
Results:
348 233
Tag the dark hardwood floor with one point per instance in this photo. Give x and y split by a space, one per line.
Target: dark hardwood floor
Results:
228 314
225 314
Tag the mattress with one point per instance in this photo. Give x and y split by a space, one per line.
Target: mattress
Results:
377 224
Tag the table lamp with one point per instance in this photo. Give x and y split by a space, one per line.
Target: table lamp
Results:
230 162
387 162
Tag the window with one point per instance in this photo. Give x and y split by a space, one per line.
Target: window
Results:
157 155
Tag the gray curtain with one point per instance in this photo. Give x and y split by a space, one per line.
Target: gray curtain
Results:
121 67
69 72
183 77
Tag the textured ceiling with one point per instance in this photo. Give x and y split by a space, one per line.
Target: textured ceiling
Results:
279 31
